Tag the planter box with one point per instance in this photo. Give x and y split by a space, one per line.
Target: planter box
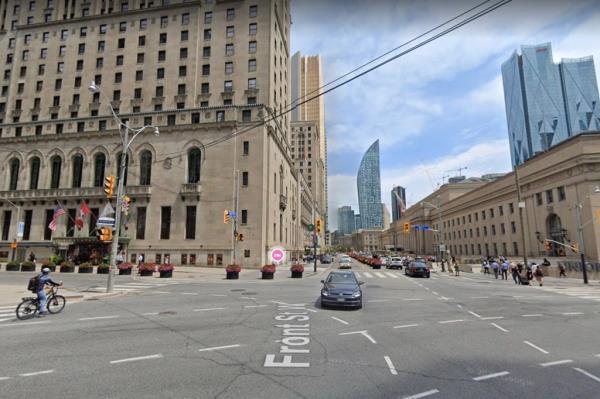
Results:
166 274
233 275
52 268
67 269
267 275
124 272
296 274
27 268
146 273
13 268
102 270
85 270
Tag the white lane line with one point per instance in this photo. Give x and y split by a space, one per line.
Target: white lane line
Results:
378 274
368 275
422 394
36 373
126 289
592 376
492 318
459 306
150 314
392 275
363 332
218 295
161 292
487 377
406 326
10 318
413 299
189 293
536 347
207 309
7 307
499 328
4 378
475 314
340 320
312 310
434 293
98 318
427 288
479 297
216 348
135 359
532 315
255 306
390 365
378 300
555 363
571 313
451 321
24 324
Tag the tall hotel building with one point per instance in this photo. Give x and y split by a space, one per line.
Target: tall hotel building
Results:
200 71
368 182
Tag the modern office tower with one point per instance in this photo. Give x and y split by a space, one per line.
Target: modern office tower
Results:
357 222
346 222
368 183
398 202
547 102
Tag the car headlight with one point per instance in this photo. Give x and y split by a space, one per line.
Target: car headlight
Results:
324 293
356 294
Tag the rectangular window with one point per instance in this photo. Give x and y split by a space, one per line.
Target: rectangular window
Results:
511 208
502 228
230 14
228 86
143 23
184 259
141 223
118 77
27 229
102 29
185 18
515 249
229 49
538 198
190 222
513 227
219 259
122 26
72 214
247 117
207 34
549 197
253 11
228 68
244 216
491 212
164 21
501 210
139 75
181 89
246 253
165 222
245 179
246 148
183 53
208 17
184 35
204 88
229 31
252 65
121 43
205 70
48 219
142 41
252 47
252 83
206 51
140 58
183 70
6 225
160 73
162 55
210 259
562 195
252 28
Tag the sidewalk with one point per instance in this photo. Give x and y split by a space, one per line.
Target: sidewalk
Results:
13 295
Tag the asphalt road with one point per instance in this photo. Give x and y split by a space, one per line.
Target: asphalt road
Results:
448 337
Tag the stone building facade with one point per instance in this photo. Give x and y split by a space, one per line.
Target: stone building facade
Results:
210 75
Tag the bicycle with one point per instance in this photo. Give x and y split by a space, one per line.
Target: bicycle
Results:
31 305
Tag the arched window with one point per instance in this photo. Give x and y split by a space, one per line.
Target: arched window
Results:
15 165
194 158
118 171
34 173
99 168
55 165
145 168
77 171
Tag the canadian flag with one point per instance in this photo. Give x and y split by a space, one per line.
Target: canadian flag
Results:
83 212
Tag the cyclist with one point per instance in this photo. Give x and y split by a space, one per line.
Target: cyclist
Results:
44 279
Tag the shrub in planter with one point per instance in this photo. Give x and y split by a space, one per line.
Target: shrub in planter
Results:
166 270
102 269
233 271
297 270
125 269
146 269
27 266
86 268
50 265
13 266
67 267
267 272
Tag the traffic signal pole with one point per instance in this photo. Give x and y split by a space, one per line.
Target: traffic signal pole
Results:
581 242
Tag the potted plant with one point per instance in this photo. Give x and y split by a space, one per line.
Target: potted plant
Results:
27 266
125 269
166 270
233 271
102 268
86 268
67 267
297 269
50 265
147 269
267 272
13 266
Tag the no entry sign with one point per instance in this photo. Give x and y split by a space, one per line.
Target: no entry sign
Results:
277 254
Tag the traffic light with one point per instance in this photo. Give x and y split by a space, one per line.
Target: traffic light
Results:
109 186
548 246
226 216
240 237
318 225
407 227
105 234
125 204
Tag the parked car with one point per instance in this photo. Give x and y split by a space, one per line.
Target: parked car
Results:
384 260
326 259
341 288
394 263
415 269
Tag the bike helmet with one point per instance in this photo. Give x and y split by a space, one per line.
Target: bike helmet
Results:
45 270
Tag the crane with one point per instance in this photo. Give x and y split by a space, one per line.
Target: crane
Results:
459 170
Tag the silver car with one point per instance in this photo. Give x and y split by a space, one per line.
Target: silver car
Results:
394 263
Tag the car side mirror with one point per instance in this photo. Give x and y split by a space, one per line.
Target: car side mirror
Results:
361 282
323 281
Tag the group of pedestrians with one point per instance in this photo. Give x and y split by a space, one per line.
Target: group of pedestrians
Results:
520 274
499 267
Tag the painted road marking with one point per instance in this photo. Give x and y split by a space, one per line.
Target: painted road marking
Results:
368 275
487 377
10 318
7 307
207 309
295 337
536 347
98 318
378 300
499 328
255 306
434 293
422 394
363 332
532 315
413 299
4 378
36 373
311 310
459 306
571 313
475 314
218 295
392 275
492 318
340 320
24 324
406 326
216 348
451 321
357 275
135 359
378 274
479 297
189 293
555 363
592 376
390 365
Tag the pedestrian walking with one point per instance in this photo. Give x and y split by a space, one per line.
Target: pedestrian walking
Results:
456 269
486 267
561 267
32 257
495 267
539 276
514 270
505 270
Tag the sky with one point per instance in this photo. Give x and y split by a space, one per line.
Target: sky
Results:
438 108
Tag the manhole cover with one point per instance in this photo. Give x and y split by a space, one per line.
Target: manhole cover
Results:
237 290
167 313
250 293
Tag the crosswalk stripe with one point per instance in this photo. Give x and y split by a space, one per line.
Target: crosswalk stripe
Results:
378 274
368 275
357 275
392 275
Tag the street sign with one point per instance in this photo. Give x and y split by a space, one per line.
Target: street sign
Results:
417 227
232 214
425 227
277 254
521 204
311 227
21 230
105 222
442 248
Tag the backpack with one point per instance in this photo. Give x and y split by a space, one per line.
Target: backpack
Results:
539 273
33 283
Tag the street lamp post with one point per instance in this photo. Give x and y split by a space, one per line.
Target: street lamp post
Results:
124 131
580 228
440 228
18 208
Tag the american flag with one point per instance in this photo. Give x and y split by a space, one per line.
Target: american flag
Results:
58 211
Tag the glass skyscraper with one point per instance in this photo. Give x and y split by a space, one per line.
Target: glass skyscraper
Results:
368 182
346 223
547 102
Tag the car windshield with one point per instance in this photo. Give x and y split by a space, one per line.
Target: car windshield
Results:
341 278
418 264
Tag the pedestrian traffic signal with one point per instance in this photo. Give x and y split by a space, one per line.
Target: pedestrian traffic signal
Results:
318 225
109 186
407 227
240 237
105 234
226 217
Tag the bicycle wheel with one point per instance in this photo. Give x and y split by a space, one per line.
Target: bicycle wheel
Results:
27 309
56 304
